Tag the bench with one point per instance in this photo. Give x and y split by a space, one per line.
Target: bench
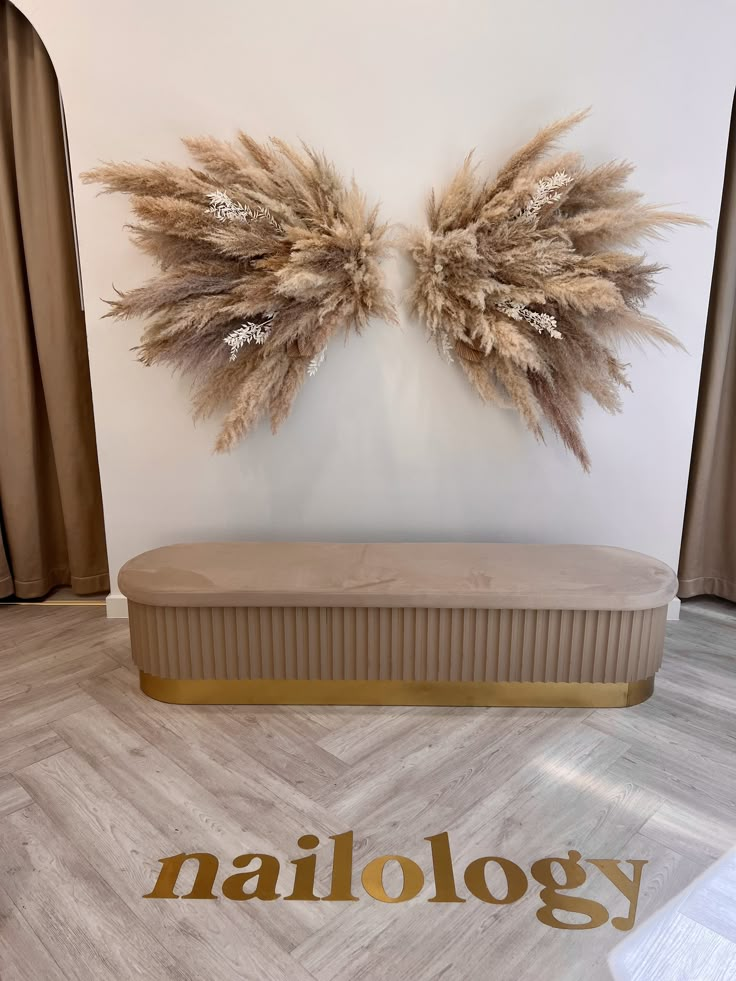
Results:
396 623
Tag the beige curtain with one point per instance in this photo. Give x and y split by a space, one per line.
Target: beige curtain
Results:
52 529
708 556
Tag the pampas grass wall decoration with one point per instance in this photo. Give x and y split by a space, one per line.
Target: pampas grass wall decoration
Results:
265 253
527 281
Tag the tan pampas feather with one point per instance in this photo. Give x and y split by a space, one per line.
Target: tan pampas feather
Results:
526 281
265 253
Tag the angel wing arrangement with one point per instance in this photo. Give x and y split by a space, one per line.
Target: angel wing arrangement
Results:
265 252
527 281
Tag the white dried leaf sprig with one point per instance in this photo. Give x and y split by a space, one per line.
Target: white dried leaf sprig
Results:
541 322
548 190
249 333
314 365
446 349
224 208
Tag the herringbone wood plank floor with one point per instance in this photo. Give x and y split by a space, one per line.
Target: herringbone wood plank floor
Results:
97 783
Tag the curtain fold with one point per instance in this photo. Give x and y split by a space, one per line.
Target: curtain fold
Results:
50 500
708 555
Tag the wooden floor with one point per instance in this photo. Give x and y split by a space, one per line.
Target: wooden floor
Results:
97 783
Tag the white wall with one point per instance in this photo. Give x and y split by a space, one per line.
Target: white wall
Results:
388 442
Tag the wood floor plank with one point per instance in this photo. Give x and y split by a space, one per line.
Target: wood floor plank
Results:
22 955
124 849
36 625
27 748
283 749
7 644
691 831
12 796
703 726
87 927
314 721
377 727
30 710
53 667
694 777
460 769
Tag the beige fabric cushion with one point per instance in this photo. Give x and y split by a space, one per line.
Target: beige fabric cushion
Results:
395 574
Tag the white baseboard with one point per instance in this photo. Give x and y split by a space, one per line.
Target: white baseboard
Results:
117 607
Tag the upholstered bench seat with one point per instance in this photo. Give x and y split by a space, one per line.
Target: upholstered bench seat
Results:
396 623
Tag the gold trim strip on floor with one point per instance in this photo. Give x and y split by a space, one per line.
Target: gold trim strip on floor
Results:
52 603
550 694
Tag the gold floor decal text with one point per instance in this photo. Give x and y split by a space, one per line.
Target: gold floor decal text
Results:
557 876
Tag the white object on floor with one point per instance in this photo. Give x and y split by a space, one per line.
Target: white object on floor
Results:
693 938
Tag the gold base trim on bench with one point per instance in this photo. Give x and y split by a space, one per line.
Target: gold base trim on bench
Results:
549 694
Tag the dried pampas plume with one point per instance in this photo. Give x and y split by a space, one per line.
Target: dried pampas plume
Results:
527 280
265 253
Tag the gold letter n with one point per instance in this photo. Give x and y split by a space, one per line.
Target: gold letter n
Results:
169 874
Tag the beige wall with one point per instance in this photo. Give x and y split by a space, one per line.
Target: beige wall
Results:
387 441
